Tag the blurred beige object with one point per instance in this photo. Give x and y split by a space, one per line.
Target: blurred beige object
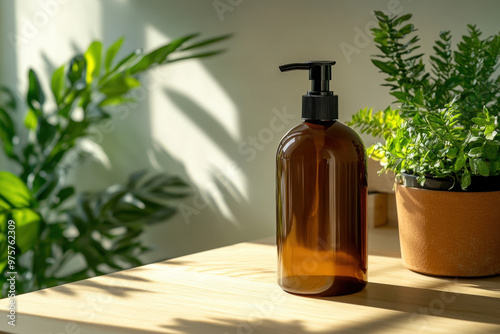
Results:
392 214
377 210
382 183
381 199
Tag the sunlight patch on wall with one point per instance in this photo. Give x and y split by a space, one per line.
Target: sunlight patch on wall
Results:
196 122
211 167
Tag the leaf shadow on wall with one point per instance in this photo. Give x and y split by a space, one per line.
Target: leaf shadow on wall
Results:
130 145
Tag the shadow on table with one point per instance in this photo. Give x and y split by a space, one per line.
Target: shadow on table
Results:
230 326
420 302
114 284
28 323
173 262
414 306
380 324
491 283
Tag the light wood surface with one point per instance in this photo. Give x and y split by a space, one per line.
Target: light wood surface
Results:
233 290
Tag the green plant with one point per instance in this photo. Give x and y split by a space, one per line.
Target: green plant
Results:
53 222
446 123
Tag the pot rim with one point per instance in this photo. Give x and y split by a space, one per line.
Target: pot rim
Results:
478 184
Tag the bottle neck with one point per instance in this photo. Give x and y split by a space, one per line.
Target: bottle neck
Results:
318 122
320 107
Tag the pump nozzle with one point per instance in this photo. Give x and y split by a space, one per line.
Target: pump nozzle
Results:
320 74
319 102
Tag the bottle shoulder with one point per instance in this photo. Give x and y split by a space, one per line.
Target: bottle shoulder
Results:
334 135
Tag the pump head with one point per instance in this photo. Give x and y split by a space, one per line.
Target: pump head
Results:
319 103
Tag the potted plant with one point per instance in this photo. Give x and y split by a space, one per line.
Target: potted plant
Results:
443 143
45 223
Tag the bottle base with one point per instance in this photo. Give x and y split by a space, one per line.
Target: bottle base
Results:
321 286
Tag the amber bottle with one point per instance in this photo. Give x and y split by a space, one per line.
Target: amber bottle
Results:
321 196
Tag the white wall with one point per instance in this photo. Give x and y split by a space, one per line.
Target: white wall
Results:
195 117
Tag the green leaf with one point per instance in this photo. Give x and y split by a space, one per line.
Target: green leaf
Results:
375 153
452 152
465 180
438 164
382 40
119 86
401 96
207 42
57 84
490 151
13 192
75 130
17 203
129 215
3 246
159 55
476 152
130 259
35 97
27 227
198 55
490 132
418 99
483 168
381 16
115 100
7 133
406 29
43 186
62 196
402 19
162 214
134 178
123 64
385 67
495 167
129 198
66 110
45 132
77 72
473 166
31 120
111 53
28 151
93 61
480 121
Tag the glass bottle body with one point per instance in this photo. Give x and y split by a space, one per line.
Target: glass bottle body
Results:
321 210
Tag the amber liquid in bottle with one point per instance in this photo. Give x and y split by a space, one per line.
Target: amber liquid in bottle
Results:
321 210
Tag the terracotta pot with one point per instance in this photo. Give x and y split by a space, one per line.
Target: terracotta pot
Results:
447 233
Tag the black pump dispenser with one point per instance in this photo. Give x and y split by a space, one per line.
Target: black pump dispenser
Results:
319 103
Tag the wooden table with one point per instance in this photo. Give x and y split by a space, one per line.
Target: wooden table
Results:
233 290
